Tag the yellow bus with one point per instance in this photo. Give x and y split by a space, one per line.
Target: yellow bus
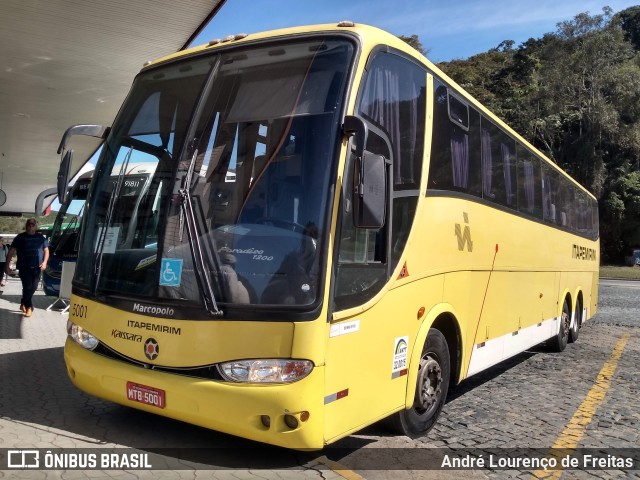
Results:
340 233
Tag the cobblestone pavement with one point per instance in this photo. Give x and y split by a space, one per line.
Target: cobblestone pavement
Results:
524 403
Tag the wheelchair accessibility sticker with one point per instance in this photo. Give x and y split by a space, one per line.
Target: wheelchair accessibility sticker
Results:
170 272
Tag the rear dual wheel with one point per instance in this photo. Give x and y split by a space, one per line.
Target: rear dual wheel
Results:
559 342
575 329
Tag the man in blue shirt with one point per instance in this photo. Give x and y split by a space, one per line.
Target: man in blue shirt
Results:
33 253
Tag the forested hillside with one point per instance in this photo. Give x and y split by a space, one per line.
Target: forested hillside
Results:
575 95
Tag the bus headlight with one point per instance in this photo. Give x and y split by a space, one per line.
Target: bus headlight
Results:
81 336
271 370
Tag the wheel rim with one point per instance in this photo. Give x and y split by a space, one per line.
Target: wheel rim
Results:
429 384
578 316
566 323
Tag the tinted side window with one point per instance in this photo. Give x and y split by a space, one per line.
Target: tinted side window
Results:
549 192
472 154
566 199
393 99
393 102
455 158
529 186
498 165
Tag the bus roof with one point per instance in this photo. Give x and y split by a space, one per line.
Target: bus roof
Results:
371 36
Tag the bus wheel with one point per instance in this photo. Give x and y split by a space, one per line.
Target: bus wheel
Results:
559 342
431 388
573 332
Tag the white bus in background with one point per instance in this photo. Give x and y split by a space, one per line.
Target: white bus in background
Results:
66 227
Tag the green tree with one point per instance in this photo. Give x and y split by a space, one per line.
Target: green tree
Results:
415 42
629 20
16 224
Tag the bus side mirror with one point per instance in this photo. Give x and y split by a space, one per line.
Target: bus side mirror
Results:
40 200
370 191
63 175
97 131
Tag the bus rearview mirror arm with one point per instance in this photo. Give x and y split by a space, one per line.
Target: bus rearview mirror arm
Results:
39 210
356 127
63 175
98 131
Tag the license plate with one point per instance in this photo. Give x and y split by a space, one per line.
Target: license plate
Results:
145 394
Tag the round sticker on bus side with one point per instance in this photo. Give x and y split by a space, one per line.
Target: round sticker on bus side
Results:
400 349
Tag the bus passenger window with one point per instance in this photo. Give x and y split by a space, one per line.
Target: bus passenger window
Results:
509 171
440 168
549 194
498 165
567 206
459 141
455 159
529 187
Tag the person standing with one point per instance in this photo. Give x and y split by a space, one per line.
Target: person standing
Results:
33 254
4 250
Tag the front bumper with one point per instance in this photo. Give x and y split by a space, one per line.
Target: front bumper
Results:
231 408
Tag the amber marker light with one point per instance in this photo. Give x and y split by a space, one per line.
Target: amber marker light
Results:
420 312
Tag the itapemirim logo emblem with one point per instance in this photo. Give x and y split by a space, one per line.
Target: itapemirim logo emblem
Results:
464 236
151 348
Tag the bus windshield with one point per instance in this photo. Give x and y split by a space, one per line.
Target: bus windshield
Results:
67 223
244 146
66 228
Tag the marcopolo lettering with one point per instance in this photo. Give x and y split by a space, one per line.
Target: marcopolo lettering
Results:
154 310
154 328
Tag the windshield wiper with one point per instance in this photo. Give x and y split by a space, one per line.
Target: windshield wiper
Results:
206 289
102 236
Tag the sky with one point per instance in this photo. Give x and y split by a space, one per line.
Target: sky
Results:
450 29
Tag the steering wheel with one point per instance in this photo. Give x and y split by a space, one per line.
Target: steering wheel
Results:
285 224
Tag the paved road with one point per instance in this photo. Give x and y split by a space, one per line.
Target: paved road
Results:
528 402
619 303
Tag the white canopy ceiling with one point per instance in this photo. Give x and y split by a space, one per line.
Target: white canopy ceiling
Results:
65 62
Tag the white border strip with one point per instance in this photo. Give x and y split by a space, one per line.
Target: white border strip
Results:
492 352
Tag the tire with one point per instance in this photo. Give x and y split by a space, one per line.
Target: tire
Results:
559 342
575 330
431 389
